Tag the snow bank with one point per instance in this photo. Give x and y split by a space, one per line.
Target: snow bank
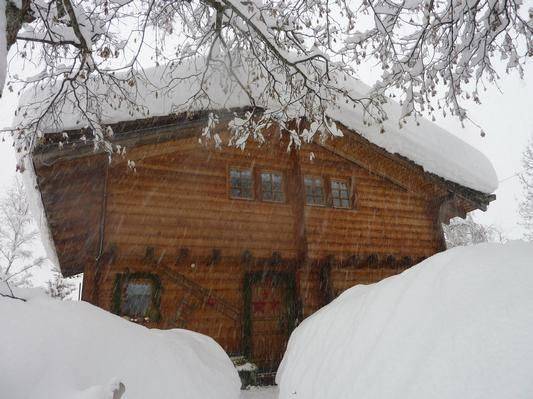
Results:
160 94
458 325
73 350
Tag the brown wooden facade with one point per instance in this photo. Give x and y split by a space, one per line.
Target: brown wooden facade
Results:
243 271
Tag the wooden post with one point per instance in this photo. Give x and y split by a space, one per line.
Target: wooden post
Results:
297 195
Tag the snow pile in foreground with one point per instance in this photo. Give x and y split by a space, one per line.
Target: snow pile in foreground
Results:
73 350
458 325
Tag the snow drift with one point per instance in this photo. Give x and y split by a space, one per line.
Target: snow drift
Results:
458 325
73 350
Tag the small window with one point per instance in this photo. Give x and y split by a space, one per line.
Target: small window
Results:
272 186
241 183
340 194
137 299
314 190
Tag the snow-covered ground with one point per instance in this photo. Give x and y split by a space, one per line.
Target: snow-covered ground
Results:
73 350
260 393
458 325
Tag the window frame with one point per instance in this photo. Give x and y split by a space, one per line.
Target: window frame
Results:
283 187
349 200
324 193
122 280
229 186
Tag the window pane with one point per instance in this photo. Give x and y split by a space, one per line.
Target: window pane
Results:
137 299
340 194
272 186
246 192
314 190
241 183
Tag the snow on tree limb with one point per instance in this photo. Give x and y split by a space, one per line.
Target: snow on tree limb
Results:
16 237
299 50
526 204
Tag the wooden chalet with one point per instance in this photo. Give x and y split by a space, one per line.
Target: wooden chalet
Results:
240 245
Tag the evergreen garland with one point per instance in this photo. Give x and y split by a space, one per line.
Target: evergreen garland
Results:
122 280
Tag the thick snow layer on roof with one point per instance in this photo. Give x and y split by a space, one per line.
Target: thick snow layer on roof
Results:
458 325
426 144
73 350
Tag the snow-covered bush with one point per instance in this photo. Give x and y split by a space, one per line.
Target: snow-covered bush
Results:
461 232
17 237
72 350
458 325
60 287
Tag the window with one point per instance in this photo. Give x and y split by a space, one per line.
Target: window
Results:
137 299
272 186
340 194
314 190
241 183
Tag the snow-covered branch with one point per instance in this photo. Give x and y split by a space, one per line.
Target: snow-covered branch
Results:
16 237
289 58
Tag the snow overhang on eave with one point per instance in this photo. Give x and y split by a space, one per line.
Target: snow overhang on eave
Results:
37 209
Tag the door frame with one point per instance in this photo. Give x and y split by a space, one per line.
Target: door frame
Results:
291 301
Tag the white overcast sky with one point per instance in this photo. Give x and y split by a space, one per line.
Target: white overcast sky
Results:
506 115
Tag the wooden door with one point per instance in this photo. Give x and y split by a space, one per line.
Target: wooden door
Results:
270 314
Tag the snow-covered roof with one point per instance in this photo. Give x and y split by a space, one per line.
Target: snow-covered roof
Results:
436 150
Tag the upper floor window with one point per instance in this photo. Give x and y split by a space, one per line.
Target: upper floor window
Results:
241 183
340 194
137 299
272 186
314 190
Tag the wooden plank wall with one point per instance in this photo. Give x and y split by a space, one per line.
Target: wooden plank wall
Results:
387 219
180 200
177 199
72 193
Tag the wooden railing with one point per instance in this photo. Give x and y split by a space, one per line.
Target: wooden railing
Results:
196 296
